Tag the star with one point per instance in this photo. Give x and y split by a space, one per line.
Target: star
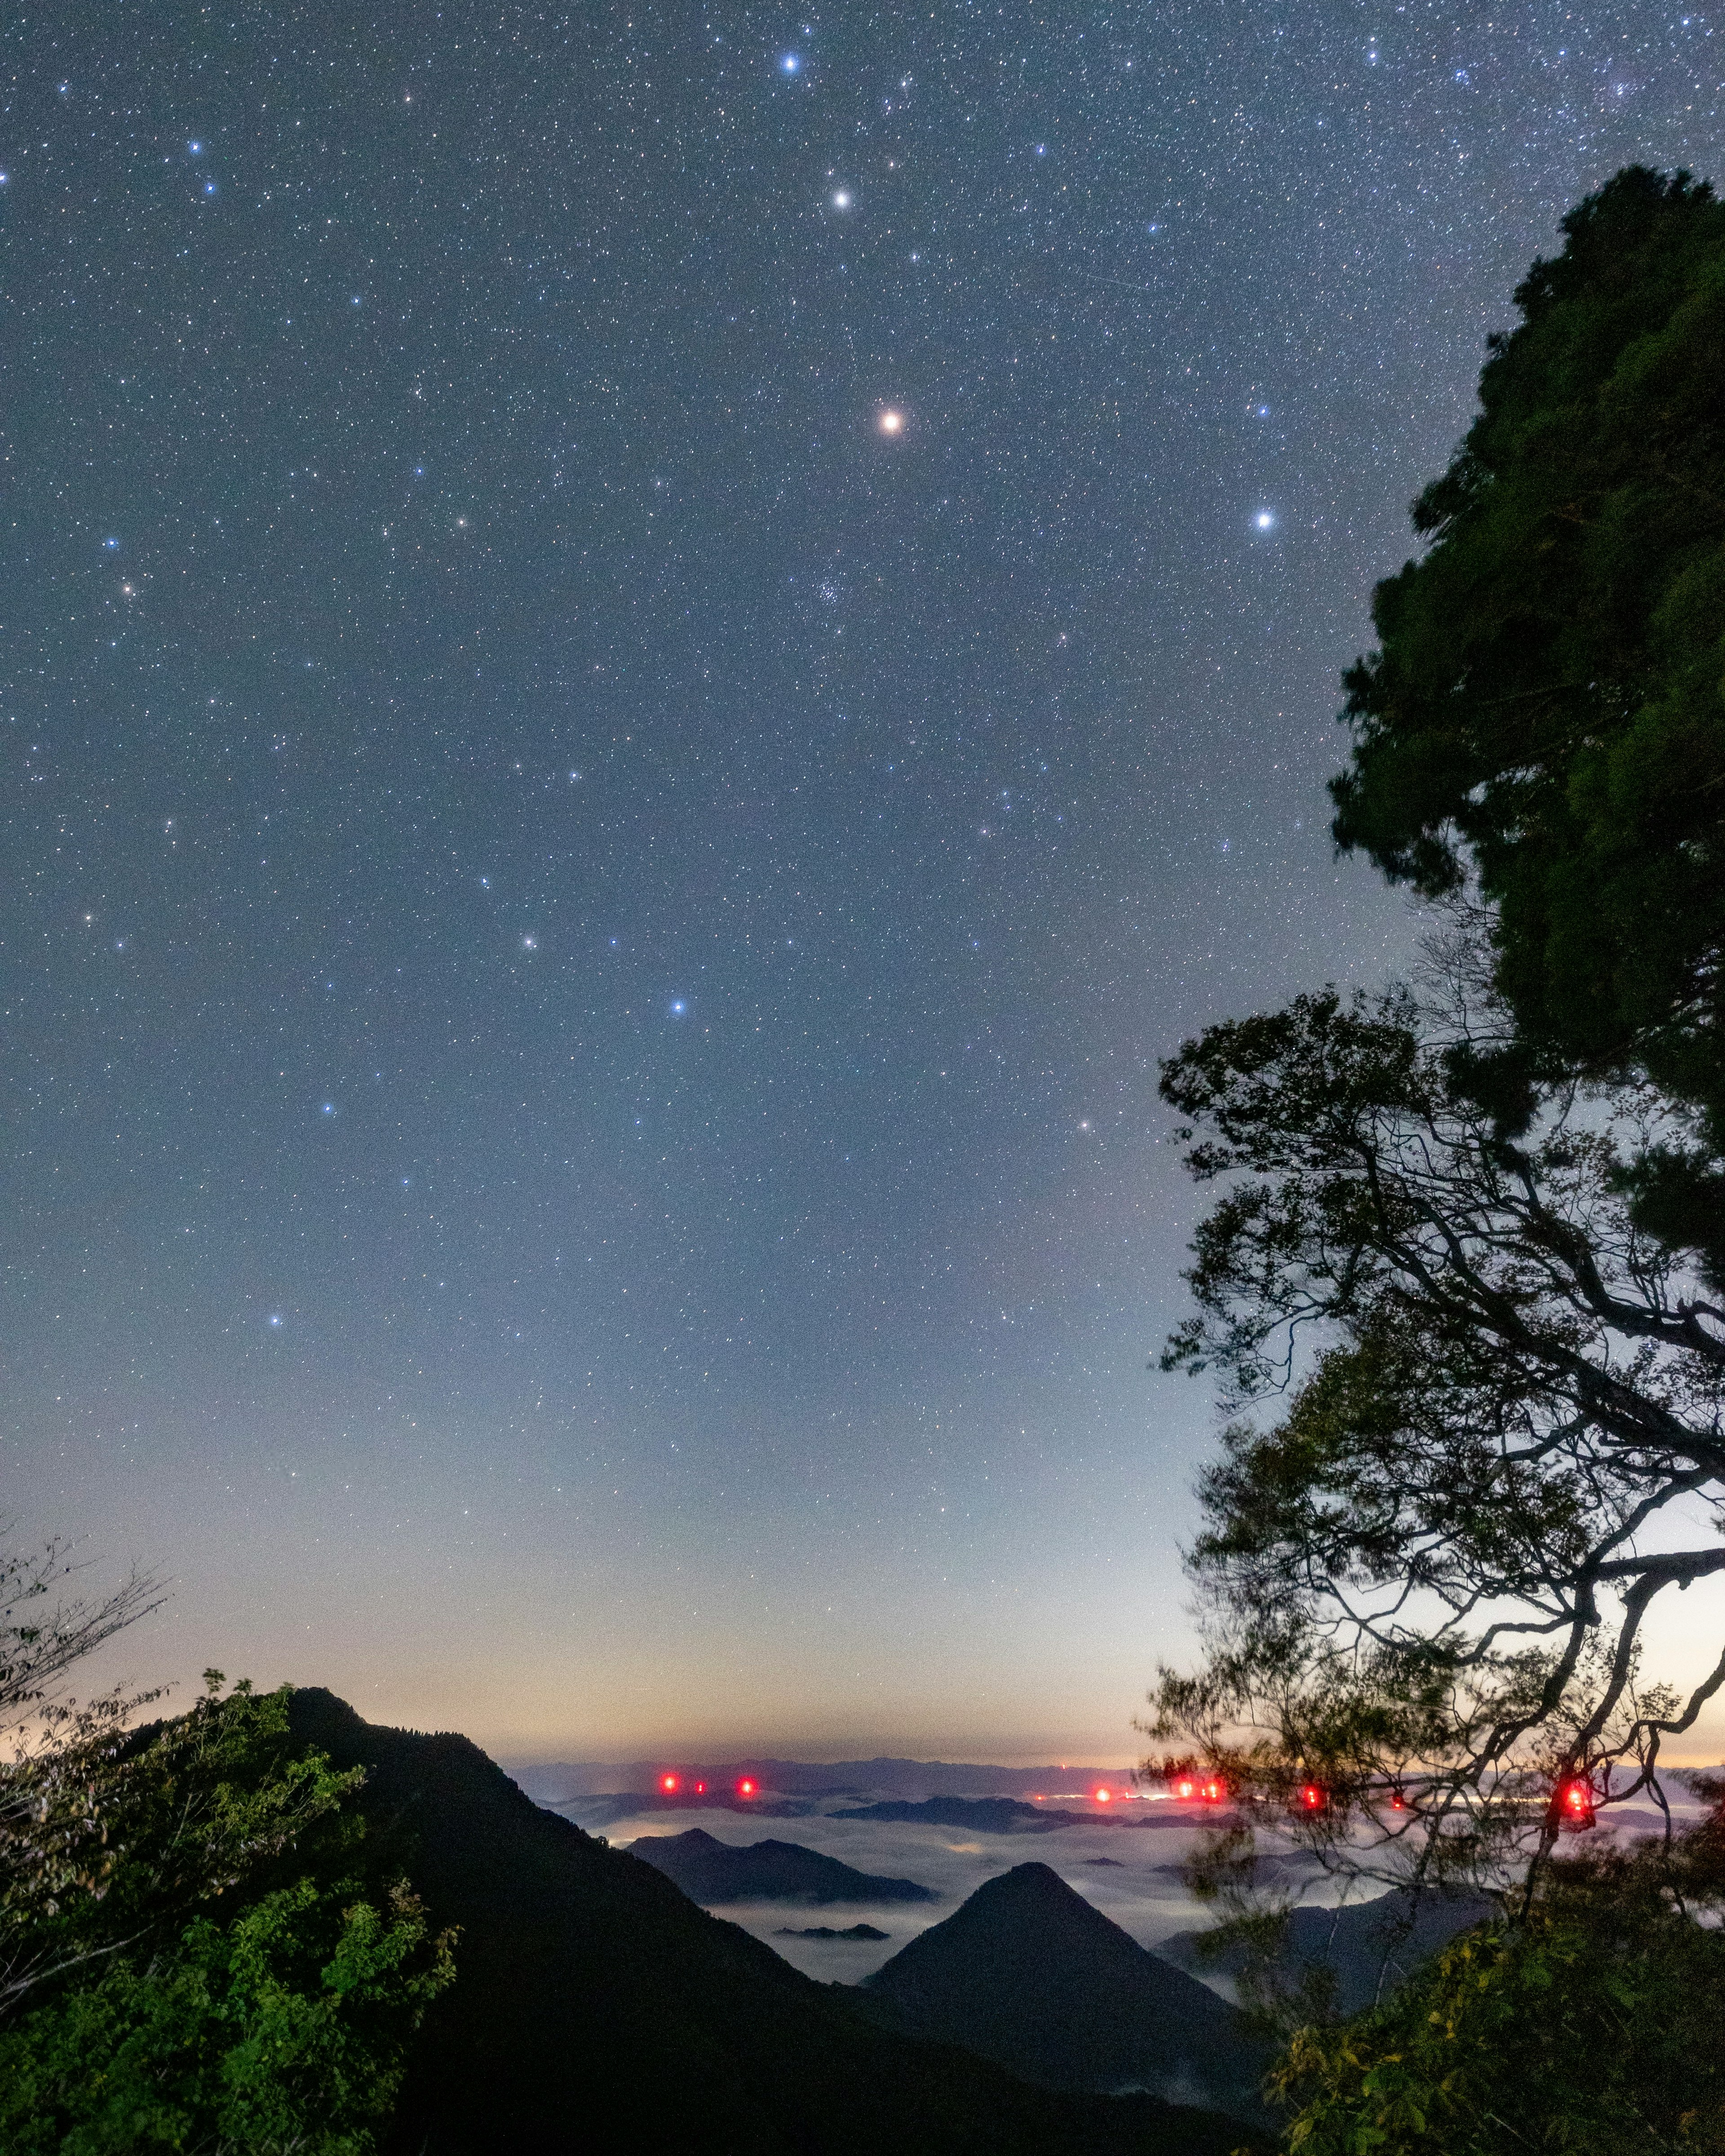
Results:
790 63
891 422
841 200
1265 521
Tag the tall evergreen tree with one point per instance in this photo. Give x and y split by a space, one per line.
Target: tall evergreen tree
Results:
1547 705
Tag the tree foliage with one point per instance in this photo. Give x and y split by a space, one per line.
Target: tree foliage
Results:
1590 2026
1477 1436
199 1946
284 2029
1547 705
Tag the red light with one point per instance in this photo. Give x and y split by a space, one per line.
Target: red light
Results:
1104 1796
1313 1797
670 1784
700 1789
744 1788
1214 1792
1574 1805
1185 1786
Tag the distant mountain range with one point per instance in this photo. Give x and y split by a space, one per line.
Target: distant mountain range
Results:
596 2008
1367 1946
596 1814
713 1873
865 1931
552 1782
1027 1974
1005 1815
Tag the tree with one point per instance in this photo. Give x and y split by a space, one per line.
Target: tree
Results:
202 1948
1590 2027
1547 705
107 1836
43 1633
1479 1431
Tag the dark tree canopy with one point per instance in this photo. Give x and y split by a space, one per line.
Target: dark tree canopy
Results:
1548 704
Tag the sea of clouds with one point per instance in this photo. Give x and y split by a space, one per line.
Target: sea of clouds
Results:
1140 1888
1140 1885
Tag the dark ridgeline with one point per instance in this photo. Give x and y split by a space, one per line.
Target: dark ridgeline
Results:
1368 1947
1006 1815
865 1931
711 1871
597 2012
1027 1972
556 1781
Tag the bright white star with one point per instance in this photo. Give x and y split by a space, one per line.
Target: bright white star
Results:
891 422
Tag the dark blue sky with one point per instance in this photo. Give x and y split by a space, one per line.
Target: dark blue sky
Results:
586 929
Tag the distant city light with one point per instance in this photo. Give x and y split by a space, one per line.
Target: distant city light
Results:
744 1788
670 1784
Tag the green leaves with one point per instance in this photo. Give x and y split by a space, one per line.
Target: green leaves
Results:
105 1834
198 1948
1588 2029
285 2030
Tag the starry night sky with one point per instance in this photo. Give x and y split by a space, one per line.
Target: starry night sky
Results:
586 928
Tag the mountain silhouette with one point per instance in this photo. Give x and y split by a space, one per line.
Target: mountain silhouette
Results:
826 1931
1027 1972
977 1814
597 2011
554 1781
712 1873
1006 1815
1368 1946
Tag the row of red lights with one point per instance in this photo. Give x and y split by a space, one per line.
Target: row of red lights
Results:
1204 1789
670 1785
1572 1804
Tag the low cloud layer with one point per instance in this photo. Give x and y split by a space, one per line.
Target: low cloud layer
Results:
1140 1888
